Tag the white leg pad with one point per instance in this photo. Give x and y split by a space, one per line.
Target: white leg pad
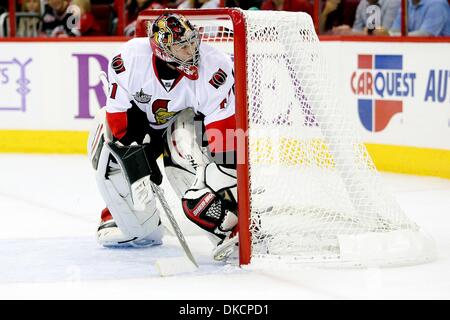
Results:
116 194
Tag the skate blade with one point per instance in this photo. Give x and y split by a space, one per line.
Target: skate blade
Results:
224 251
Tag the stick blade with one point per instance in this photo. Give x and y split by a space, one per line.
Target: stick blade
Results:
173 266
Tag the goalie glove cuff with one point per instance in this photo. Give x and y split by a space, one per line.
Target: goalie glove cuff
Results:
209 212
210 203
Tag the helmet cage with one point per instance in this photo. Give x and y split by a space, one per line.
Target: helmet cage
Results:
168 38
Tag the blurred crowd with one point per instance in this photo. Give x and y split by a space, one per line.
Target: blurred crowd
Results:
70 18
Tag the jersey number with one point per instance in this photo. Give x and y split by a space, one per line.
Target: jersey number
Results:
113 90
223 104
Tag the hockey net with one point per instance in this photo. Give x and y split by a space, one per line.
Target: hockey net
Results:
312 191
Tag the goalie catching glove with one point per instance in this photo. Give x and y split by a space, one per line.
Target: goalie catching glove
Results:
211 202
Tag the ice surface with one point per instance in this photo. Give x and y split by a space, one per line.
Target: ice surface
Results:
49 207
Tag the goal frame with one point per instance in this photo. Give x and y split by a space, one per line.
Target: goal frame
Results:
339 214
241 114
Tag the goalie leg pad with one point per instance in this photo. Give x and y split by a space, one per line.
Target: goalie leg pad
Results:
109 235
115 190
98 134
183 151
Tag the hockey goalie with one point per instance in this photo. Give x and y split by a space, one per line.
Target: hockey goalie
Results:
169 95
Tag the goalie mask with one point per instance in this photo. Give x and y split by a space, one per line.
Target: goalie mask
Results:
174 40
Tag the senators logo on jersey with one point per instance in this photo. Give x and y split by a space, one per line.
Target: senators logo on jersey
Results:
160 110
117 64
218 78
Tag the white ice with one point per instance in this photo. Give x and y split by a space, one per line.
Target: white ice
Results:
49 209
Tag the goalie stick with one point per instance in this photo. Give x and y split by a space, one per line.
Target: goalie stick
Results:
162 200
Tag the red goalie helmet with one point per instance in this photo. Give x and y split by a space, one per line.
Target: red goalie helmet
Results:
173 39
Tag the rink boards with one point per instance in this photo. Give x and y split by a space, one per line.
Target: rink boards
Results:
398 94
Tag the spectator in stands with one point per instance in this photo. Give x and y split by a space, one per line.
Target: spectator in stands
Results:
425 18
86 21
199 4
3 6
134 7
388 12
336 13
32 6
288 5
171 4
244 4
57 19
30 26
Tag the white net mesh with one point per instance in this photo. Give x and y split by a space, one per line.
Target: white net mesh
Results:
315 194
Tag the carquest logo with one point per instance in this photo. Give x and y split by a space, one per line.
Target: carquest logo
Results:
381 84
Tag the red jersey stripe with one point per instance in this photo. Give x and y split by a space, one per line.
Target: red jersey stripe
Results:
117 123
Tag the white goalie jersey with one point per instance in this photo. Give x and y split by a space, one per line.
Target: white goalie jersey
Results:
133 77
